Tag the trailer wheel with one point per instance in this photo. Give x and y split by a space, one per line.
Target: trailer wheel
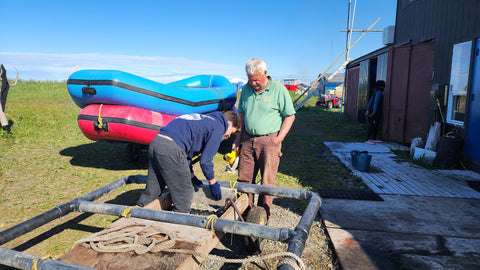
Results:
257 215
330 105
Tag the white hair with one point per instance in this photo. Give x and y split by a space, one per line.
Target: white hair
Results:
255 65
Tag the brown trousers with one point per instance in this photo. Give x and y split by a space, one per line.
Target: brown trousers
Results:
259 153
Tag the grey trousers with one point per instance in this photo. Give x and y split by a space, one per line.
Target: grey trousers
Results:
168 166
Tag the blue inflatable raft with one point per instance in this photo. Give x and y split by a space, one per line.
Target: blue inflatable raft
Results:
197 94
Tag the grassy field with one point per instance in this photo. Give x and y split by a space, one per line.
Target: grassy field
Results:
47 161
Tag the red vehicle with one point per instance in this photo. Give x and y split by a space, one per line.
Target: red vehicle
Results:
291 84
328 101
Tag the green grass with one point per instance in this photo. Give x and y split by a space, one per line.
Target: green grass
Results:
47 161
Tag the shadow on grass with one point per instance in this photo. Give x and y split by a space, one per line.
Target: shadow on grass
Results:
119 155
307 160
107 155
128 198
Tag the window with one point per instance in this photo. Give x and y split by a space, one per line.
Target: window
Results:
457 95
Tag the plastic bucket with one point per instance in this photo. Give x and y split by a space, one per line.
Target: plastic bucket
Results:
363 161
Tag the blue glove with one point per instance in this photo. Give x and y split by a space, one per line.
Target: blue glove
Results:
196 183
216 191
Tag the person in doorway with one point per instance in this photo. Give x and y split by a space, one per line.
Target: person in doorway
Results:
171 152
374 112
267 114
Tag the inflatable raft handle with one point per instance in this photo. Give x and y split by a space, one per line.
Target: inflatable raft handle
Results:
89 91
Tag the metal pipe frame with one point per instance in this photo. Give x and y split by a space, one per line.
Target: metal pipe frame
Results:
221 225
26 261
296 238
64 209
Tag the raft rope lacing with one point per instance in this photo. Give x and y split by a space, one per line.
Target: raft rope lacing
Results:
224 105
142 238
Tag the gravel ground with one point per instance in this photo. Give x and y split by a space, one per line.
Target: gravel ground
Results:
317 253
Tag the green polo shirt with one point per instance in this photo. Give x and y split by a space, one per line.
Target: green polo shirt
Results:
264 112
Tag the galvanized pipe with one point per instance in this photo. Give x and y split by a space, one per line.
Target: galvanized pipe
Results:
25 261
301 194
120 182
63 209
296 245
222 225
35 222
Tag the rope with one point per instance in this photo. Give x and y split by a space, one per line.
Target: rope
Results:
100 120
36 260
139 238
210 220
135 237
34 263
233 183
292 262
224 104
126 212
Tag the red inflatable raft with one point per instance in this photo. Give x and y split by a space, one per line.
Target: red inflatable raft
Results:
121 123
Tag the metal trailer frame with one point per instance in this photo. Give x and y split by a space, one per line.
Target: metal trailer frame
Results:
295 238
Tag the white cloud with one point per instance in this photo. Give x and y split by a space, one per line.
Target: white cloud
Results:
58 67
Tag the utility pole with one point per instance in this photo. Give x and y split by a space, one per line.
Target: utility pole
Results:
348 30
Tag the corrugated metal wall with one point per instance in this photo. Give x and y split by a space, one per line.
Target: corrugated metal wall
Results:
351 94
446 21
407 94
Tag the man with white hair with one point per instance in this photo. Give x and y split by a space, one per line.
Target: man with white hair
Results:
267 114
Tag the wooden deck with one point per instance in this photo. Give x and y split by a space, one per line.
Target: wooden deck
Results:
390 175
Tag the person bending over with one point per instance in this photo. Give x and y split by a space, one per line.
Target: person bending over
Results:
171 152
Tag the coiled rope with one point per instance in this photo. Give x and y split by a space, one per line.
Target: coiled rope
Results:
142 238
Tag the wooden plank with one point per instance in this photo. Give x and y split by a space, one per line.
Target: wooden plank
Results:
214 238
187 237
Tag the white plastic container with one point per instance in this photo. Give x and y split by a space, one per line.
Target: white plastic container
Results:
427 155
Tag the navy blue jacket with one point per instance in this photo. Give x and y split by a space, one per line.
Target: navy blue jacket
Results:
198 133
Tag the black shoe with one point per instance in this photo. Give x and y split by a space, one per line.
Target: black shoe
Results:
7 128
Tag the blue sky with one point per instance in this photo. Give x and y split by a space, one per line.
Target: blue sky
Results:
170 40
